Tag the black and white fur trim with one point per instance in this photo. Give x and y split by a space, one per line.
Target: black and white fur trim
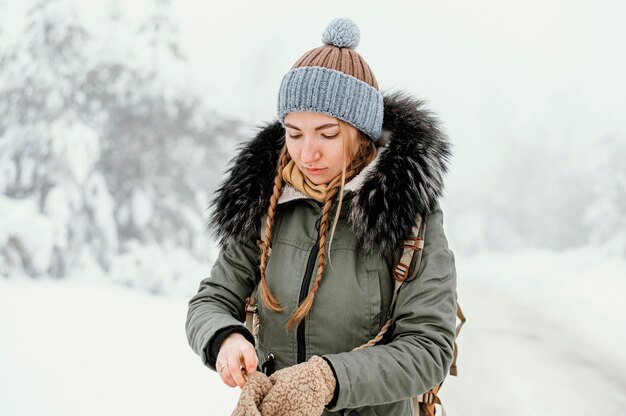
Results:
407 179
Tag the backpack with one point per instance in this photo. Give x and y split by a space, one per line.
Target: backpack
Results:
405 270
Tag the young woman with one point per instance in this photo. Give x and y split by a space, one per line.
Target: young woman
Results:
312 217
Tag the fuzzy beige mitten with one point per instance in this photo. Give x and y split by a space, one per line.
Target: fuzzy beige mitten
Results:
256 387
300 390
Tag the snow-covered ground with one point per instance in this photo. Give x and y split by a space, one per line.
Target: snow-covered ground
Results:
545 335
68 348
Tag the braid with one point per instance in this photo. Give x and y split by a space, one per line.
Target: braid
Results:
266 295
307 303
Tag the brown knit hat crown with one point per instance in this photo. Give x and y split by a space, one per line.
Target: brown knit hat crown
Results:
342 59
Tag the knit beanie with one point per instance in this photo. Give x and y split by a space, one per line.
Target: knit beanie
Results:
334 79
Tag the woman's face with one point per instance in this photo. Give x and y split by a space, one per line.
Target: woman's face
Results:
315 144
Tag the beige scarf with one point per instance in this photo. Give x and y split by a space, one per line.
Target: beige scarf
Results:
294 176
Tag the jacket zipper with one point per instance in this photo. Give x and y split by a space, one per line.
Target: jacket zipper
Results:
304 291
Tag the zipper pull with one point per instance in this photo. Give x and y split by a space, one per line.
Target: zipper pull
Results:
269 366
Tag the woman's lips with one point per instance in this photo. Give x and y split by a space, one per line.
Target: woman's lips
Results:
314 171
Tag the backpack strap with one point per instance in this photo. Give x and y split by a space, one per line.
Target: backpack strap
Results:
459 314
405 270
252 314
424 404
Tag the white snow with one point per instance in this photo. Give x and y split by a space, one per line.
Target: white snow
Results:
26 236
57 208
142 208
582 288
70 348
157 270
100 202
75 147
544 336
8 171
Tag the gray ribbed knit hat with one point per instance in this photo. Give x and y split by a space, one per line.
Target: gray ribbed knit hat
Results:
334 79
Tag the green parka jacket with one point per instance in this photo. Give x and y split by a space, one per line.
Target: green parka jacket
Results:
351 303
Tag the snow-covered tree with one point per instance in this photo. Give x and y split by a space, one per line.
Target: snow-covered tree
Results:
161 143
103 162
48 149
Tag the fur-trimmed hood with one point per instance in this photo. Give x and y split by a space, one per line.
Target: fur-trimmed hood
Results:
406 179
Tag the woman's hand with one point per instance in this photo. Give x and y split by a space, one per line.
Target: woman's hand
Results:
236 358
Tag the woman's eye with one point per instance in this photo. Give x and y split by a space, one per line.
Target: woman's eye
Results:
330 137
295 136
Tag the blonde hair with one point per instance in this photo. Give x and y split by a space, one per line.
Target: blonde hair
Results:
364 155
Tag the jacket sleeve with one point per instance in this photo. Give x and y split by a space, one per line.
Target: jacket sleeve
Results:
218 307
419 355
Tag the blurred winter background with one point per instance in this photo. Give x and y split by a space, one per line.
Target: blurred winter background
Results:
118 118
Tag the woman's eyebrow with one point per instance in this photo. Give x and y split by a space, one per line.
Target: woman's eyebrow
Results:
323 126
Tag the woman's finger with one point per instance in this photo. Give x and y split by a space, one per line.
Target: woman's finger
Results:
249 359
224 372
227 378
235 370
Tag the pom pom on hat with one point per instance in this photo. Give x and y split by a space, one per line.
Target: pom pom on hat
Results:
342 32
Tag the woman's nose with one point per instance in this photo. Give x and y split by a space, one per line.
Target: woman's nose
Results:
309 152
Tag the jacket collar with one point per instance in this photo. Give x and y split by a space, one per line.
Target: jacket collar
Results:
404 180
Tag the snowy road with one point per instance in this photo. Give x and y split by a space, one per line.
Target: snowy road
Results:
74 348
515 359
